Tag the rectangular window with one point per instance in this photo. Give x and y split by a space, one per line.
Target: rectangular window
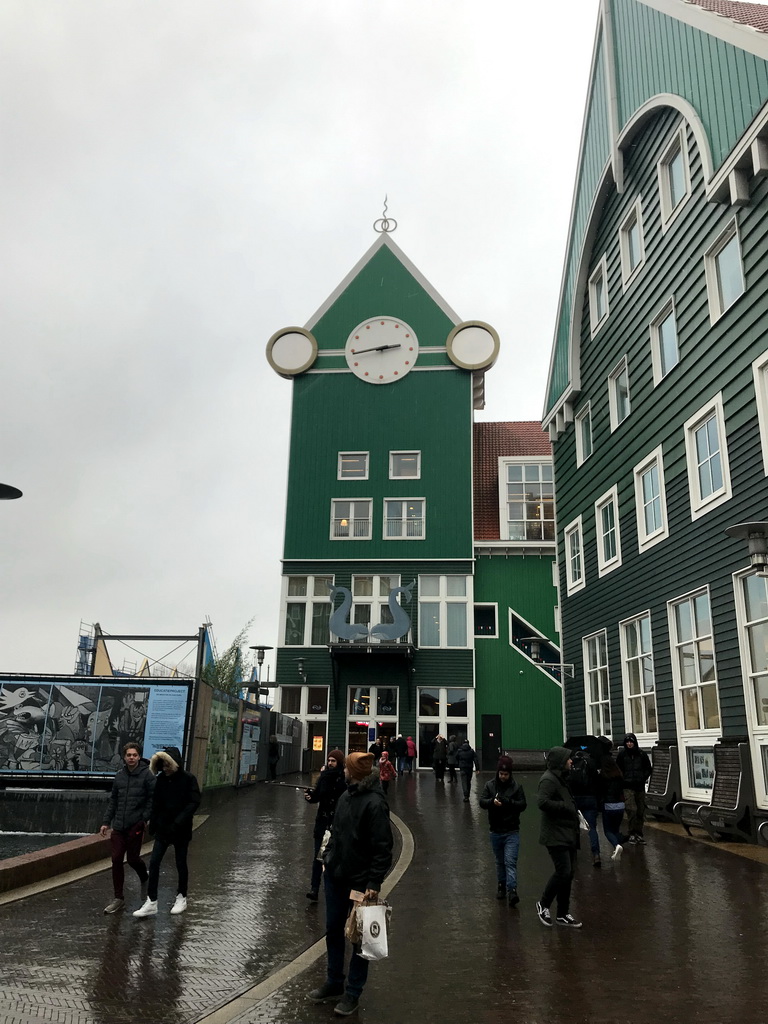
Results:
307 611
618 393
370 601
574 559
760 376
596 684
486 620
693 662
725 277
674 178
650 500
405 465
607 531
706 450
353 466
753 627
290 700
598 296
638 675
664 349
527 499
404 519
583 421
443 602
631 244
351 520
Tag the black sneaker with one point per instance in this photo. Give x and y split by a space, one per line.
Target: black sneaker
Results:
501 891
633 840
568 921
328 990
313 895
514 899
346 1006
544 915
639 839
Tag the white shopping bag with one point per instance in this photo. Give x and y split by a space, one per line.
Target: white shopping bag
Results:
583 823
373 924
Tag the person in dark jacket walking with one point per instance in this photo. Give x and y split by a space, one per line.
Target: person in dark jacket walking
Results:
401 753
611 792
174 802
325 793
439 756
504 800
450 758
582 782
635 765
273 756
560 834
466 759
127 812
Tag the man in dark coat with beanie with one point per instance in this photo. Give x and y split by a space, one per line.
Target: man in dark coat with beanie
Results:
357 859
560 835
504 800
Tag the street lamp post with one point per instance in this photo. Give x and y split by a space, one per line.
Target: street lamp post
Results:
260 650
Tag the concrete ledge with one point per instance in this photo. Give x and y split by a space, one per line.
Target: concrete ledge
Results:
53 860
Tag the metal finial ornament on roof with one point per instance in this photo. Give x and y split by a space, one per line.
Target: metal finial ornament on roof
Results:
385 224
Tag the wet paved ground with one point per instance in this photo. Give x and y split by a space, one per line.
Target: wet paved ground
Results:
676 932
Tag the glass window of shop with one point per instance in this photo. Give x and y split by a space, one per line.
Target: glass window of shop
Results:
446 711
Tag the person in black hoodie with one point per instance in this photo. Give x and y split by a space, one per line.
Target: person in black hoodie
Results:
635 765
175 800
560 834
330 785
128 810
504 800
466 758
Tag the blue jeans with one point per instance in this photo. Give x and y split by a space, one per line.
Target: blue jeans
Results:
401 763
506 846
612 826
588 807
337 904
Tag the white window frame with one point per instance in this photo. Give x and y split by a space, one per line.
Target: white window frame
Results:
678 143
628 272
366 455
700 506
573 583
375 601
648 540
613 405
645 736
760 376
308 600
604 724
758 734
525 460
403 519
583 415
606 565
600 272
716 308
486 604
443 599
353 519
445 723
667 310
404 451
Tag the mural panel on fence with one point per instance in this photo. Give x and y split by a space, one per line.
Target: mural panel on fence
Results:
79 725
221 755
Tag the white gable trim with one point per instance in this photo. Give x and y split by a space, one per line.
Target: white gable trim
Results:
719 25
669 99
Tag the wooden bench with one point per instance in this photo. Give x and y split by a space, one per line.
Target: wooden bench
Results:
664 783
729 813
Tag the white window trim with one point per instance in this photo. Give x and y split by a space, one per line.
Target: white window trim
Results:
588 702
406 451
710 270
655 324
422 535
443 599
669 215
646 541
346 540
604 566
644 739
486 604
629 274
701 506
308 600
367 456
600 270
522 460
585 413
574 586
612 403
758 734
760 375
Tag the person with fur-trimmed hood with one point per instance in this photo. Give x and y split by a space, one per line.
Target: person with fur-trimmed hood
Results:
357 859
505 801
174 802
560 834
326 792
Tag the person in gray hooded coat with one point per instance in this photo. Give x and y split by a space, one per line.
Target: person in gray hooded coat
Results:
560 834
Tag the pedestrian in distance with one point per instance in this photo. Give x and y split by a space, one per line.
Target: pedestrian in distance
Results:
582 782
411 756
128 810
386 771
560 834
174 802
450 758
325 793
635 766
611 793
439 756
356 861
504 800
376 748
401 753
467 760
273 756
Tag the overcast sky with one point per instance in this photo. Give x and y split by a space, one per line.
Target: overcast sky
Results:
181 178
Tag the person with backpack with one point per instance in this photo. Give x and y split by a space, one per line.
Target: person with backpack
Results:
560 834
467 760
582 782
451 760
504 800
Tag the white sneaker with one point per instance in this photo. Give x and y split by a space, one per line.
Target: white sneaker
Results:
149 909
616 855
180 905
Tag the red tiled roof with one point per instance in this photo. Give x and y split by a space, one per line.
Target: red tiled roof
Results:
492 441
754 15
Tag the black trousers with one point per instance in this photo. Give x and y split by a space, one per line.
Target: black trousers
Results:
559 885
180 847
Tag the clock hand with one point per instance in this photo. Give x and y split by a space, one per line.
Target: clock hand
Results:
376 348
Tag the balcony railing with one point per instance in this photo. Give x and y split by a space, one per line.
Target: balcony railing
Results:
359 529
413 528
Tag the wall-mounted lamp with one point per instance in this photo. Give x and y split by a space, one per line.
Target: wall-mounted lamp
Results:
756 535
300 667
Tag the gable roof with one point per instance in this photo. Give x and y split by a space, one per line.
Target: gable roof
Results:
492 441
755 15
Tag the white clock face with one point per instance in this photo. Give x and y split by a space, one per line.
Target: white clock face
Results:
381 350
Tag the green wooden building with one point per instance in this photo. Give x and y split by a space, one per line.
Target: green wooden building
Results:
381 587
657 403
